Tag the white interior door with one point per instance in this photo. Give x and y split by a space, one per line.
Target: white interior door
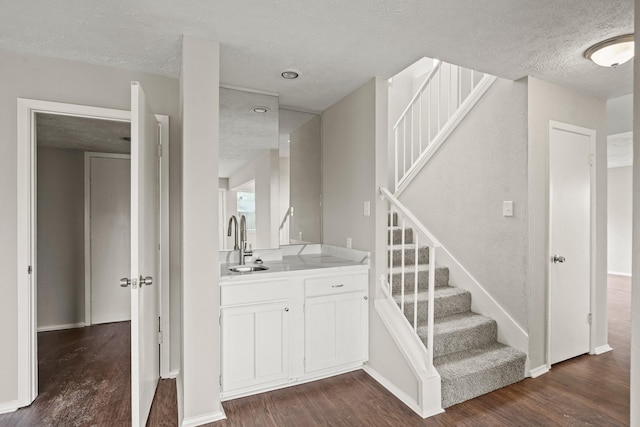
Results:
569 240
110 236
145 350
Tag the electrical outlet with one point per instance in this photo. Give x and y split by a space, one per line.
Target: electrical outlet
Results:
349 241
367 208
507 208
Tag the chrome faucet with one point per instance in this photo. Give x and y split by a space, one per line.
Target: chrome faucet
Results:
234 221
243 240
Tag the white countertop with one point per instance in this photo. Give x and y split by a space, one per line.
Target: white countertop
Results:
293 264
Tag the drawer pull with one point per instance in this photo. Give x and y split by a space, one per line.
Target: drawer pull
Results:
337 286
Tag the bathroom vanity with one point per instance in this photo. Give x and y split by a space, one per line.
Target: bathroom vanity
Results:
303 319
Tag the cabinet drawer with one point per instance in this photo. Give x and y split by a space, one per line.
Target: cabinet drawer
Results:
249 293
335 284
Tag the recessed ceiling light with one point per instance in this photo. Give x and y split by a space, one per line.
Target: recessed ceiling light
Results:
260 109
290 74
612 52
126 138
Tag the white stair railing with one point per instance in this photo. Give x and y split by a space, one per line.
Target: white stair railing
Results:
447 94
421 237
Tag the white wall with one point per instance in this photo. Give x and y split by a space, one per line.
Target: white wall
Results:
198 382
619 220
353 166
635 287
548 101
60 237
620 114
49 79
459 195
305 182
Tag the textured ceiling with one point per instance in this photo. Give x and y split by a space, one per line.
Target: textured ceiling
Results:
620 150
336 45
79 133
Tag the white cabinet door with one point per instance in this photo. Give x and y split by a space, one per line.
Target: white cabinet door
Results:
335 330
255 345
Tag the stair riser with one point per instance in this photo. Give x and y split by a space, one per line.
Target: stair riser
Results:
445 306
397 236
442 279
409 256
468 387
465 339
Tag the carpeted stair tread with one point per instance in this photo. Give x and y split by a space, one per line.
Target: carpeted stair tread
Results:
442 277
409 255
460 332
477 371
447 301
396 234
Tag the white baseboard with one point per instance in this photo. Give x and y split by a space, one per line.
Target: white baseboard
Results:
6 407
204 419
60 327
401 395
540 370
174 374
617 273
602 349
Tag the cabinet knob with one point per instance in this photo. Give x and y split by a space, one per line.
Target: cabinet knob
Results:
366 298
286 309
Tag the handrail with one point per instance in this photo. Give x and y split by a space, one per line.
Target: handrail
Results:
386 194
433 245
424 84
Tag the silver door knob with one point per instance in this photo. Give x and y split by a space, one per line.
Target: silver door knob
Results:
558 258
125 281
146 280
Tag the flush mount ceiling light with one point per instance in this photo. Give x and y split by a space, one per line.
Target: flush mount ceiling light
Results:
260 109
290 74
612 52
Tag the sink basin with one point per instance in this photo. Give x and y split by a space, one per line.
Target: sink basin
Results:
248 268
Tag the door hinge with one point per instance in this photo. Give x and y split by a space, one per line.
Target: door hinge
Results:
220 320
220 379
159 337
589 318
304 363
159 150
29 270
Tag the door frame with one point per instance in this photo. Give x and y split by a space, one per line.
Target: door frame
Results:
88 155
26 244
591 133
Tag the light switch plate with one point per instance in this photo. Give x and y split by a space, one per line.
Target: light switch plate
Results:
507 208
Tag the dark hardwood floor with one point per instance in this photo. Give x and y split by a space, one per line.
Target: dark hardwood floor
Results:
84 381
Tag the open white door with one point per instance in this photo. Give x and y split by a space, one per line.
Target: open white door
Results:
145 350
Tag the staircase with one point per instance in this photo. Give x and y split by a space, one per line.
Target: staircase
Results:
466 353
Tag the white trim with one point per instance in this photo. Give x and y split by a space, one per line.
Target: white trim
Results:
617 273
61 327
88 155
441 137
173 374
26 243
602 349
204 419
591 133
7 407
540 370
401 395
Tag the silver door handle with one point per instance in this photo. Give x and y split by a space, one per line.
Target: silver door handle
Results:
146 280
558 258
125 281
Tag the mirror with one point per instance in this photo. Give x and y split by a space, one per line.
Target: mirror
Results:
269 170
